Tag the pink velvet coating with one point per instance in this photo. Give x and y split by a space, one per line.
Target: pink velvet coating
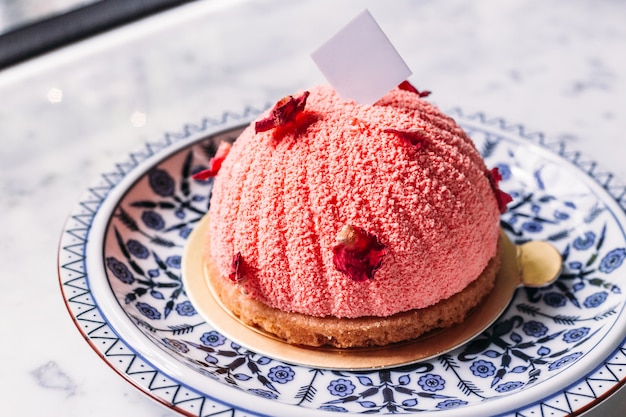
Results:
281 197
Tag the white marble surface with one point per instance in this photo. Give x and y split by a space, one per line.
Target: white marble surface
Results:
558 67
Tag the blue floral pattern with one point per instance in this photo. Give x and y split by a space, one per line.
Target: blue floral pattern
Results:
612 260
543 333
482 368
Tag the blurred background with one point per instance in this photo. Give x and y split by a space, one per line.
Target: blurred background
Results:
31 27
18 13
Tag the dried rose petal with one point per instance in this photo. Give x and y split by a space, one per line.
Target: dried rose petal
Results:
358 253
285 111
215 163
407 86
236 274
501 197
415 137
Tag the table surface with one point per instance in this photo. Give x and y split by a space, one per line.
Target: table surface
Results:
558 67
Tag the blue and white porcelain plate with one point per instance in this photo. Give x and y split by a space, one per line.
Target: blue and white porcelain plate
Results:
555 351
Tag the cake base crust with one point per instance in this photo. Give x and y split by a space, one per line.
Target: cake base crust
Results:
301 329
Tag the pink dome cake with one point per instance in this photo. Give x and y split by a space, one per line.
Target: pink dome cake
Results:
349 225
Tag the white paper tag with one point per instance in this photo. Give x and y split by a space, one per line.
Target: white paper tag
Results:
360 62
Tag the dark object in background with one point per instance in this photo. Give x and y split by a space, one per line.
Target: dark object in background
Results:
45 35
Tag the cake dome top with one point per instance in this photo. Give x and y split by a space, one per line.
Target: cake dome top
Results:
399 172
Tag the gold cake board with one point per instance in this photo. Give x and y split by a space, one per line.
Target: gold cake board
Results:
427 346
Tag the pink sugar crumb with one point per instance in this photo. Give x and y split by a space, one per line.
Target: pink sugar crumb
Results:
281 204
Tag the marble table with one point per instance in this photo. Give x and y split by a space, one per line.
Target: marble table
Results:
558 67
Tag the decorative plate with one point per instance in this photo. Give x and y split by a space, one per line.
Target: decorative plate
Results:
555 351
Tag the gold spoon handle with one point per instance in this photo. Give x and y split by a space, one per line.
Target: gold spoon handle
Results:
539 263
532 264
